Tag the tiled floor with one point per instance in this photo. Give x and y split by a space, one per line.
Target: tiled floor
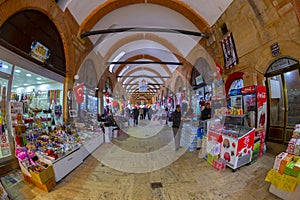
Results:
143 165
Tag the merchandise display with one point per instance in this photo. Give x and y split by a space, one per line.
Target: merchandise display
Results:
285 174
189 137
61 149
231 141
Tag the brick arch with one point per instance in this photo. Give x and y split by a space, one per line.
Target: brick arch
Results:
137 57
231 78
135 37
9 8
111 5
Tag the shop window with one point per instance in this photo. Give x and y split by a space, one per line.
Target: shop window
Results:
36 97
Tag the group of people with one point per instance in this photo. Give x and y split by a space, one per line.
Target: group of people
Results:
141 113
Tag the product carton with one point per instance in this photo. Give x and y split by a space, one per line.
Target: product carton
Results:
278 160
289 168
297 165
287 159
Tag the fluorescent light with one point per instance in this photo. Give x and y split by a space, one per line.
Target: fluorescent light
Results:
38 78
17 70
28 75
25 84
39 82
5 66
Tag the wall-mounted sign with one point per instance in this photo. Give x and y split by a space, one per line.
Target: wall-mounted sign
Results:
39 51
275 49
229 51
199 79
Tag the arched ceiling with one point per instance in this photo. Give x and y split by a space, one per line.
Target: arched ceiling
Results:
191 15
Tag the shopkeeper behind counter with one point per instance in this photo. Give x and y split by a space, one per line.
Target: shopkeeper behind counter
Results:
206 112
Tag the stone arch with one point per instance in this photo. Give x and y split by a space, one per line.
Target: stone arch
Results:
111 5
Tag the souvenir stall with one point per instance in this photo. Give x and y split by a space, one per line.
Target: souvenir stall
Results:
285 174
48 152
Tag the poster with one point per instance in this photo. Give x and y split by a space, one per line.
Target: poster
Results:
229 52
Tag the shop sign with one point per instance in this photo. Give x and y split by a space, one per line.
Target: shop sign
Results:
275 49
281 64
235 92
39 51
248 90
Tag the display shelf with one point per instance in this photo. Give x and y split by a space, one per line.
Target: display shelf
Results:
64 165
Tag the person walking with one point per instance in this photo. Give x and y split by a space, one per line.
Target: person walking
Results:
136 114
176 127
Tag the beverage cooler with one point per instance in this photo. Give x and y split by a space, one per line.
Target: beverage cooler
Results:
254 98
236 99
232 141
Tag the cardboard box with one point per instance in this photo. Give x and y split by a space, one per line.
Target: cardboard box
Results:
43 176
47 186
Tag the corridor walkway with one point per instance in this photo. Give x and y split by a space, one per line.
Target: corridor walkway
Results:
142 164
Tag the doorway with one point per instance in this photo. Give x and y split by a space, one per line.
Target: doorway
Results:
283 89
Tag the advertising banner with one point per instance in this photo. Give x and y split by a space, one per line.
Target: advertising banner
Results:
143 87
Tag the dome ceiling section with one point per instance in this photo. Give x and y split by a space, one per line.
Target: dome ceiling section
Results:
209 10
127 17
144 71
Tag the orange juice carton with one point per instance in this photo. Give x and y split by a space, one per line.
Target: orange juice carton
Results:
287 159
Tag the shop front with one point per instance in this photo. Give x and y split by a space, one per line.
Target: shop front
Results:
32 75
283 83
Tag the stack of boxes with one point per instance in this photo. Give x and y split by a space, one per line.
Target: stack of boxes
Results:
256 150
189 137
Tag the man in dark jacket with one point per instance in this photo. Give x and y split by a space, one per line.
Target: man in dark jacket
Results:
206 112
136 114
176 119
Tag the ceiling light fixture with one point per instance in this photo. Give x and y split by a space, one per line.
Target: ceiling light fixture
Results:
29 75
17 70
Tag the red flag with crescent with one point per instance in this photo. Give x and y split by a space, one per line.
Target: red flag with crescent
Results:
79 94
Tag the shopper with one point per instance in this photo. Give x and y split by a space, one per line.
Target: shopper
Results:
141 112
136 114
206 112
176 119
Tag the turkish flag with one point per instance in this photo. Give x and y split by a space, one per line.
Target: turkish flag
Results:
78 89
